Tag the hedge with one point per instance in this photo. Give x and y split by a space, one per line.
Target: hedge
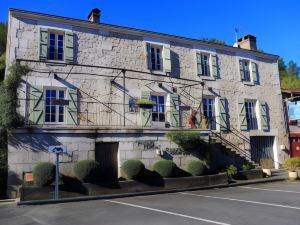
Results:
165 168
43 174
87 171
132 168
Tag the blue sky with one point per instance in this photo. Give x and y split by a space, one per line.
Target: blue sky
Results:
274 23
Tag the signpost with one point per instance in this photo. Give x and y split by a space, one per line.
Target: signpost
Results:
57 150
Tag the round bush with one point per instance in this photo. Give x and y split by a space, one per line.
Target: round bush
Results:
87 170
132 168
165 168
196 167
43 174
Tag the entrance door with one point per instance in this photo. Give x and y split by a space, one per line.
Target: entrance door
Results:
106 153
295 144
261 148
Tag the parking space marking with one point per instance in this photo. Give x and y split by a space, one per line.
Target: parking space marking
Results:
168 212
266 189
241 200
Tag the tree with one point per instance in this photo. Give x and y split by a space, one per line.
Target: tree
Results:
3 36
281 64
213 40
293 68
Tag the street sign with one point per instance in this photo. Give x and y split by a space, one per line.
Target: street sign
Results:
57 149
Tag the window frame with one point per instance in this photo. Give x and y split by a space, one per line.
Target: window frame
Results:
57 89
56 33
211 125
156 47
158 108
252 122
135 106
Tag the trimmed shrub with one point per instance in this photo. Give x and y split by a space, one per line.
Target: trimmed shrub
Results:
292 164
196 167
132 168
87 170
43 174
165 168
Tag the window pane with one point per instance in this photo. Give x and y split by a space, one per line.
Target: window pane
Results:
154 117
154 98
60 57
154 108
47 118
60 37
47 93
61 109
161 100
53 93
52 36
51 55
47 109
61 94
161 117
61 118
52 117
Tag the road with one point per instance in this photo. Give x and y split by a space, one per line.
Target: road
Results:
275 203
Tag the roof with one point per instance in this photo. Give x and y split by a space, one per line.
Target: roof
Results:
134 31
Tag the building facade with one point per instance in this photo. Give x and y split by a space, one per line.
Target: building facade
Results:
88 79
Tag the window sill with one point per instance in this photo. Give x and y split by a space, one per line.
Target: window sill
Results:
248 83
207 78
48 61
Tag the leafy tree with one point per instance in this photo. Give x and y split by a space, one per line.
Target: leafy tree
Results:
3 36
293 68
289 75
281 64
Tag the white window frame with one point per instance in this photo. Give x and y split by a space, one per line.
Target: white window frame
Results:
209 97
155 47
249 61
159 123
255 111
209 54
56 33
57 89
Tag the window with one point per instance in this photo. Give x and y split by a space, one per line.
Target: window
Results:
54 113
245 69
132 105
203 64
156 57
56 46
251 115
158 110
209 112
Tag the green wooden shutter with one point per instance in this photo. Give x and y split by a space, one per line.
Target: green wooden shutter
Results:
254 72
167 59
199 64
214 64
72 108
69 47
43 44
37 105
223 114
264 115
175 113
242 72
242 115
146 113
148 49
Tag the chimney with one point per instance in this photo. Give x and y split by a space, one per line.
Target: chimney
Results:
247 42
94 15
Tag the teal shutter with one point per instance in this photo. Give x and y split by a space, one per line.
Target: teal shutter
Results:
175 113
254 72
264 115
148 49
146 113
223 114
242 115
242 72
214 64
43 44
199 64
72 108
37 105
69 47
167 59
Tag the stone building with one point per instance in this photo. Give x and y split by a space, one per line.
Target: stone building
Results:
88 77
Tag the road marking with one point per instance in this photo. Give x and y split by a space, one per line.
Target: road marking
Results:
265 189
167 212
241 200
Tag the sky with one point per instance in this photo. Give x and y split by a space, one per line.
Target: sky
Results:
275 23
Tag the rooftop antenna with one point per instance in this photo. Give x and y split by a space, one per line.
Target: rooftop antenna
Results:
236 31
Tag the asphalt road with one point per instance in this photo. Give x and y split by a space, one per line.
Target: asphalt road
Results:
262 204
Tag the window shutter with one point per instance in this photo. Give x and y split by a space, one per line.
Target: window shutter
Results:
254 72
264 115
146 113
37 105
43 44
214 64
242 72
69 50
242 115
175 113
167 59
72 108
223 114
199 64
148 49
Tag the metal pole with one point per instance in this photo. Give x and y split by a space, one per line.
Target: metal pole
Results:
124 92
56 176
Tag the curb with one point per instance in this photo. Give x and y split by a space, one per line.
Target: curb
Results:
102 197
8 200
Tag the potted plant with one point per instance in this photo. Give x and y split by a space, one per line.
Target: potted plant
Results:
267 165
292 164
145 103
231 170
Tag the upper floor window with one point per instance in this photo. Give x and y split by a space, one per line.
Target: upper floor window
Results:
56 46
251 115
158 110
203 64
245 70
54 113
156 57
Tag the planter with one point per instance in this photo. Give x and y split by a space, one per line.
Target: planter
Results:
145 106
267 172
293 175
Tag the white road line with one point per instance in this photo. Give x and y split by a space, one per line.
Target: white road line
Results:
241 200
265 189
167 212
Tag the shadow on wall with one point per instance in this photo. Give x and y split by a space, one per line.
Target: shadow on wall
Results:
175 65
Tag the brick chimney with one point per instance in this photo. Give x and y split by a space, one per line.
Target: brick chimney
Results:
94 15
247 42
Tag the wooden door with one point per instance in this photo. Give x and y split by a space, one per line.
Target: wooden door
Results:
295 144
